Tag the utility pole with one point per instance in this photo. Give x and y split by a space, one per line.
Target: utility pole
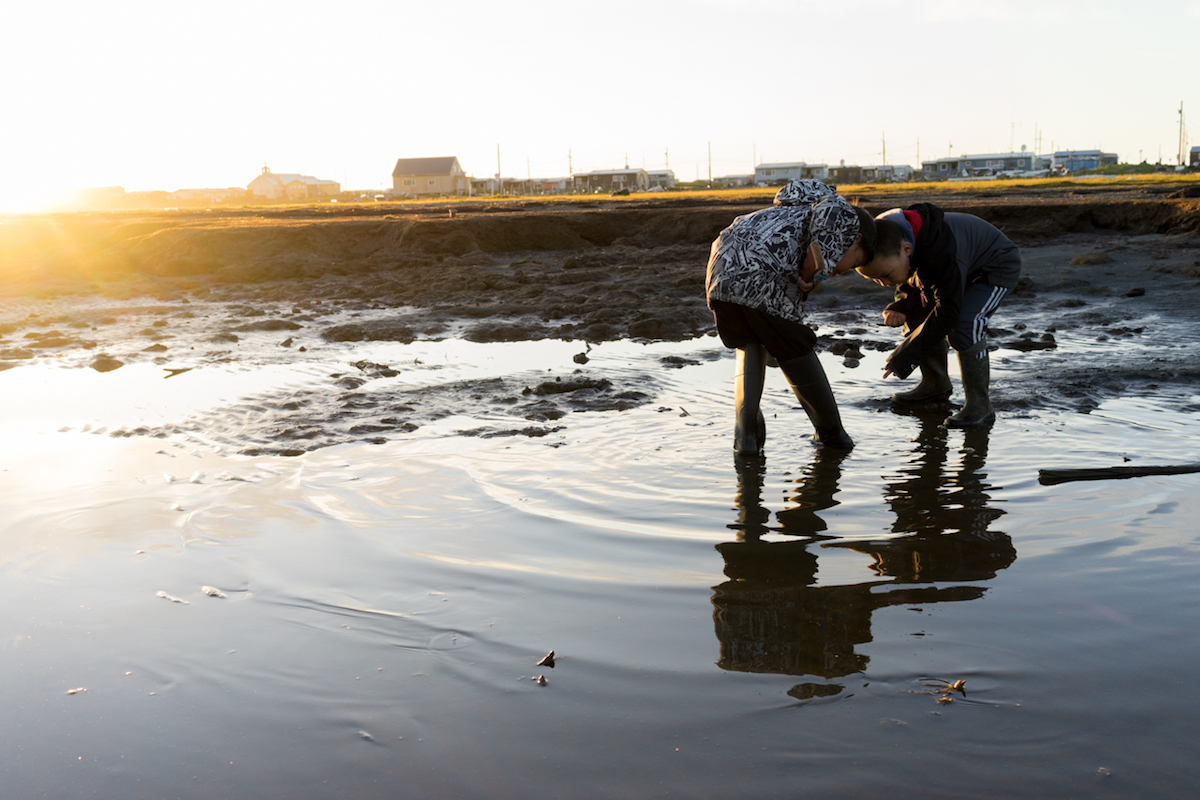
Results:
570 167
710 161
918 152
1181 133
499 180
755 164
667 157
884 153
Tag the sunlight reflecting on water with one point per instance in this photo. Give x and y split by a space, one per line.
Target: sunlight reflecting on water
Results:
389 593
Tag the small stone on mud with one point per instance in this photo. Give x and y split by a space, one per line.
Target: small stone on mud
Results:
213 591
548 661
580 358
1088 259
106 364
541 680
172 598
1137 291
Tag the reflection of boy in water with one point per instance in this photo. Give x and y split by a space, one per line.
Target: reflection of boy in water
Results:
951 271
769 617
760 270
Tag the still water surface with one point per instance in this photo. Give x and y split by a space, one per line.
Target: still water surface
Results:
775 627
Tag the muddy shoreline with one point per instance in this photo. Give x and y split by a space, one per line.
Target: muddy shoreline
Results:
186 290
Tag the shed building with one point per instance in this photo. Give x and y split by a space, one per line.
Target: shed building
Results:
1077 160
612 180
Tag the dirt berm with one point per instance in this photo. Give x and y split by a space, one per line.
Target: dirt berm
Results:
596 270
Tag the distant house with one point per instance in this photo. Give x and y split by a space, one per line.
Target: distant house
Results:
612 180
423 176
661 177
278 186
549 185
734 180
887 173
846 173
208 195
1194 157
785 172
509 186
983 166
1076 160
874 173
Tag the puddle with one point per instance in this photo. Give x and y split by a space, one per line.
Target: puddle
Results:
719 625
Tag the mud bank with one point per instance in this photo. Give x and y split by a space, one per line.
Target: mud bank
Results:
187 289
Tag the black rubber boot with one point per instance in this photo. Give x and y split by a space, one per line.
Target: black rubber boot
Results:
807 378
749 427
935 380
976 374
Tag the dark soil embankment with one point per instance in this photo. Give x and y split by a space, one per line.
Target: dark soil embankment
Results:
598 273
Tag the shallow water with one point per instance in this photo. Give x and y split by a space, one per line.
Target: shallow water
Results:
722 628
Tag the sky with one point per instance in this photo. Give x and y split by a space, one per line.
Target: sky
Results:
152 95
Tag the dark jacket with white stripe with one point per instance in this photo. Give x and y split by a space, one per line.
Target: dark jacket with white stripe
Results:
952 251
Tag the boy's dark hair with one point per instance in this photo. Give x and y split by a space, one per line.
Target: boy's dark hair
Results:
866 229
888 237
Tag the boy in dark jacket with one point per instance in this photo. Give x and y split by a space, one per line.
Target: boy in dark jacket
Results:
759 272
951 271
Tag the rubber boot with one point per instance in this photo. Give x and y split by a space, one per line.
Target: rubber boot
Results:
976 373
749 427
935 381
807 378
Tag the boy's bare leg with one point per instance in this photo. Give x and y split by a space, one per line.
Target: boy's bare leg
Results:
749 427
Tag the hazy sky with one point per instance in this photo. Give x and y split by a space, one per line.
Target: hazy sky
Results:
154 95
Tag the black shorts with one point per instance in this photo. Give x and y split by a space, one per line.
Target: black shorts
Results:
739 326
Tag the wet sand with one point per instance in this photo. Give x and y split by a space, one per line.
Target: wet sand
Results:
403 525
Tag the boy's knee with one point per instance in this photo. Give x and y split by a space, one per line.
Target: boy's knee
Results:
962 340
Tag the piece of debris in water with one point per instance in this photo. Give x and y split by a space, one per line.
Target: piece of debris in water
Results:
77 691
946 687
548 661
540 680
173 598
366 736
213 591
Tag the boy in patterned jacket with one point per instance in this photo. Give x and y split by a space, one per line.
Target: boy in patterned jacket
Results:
760 270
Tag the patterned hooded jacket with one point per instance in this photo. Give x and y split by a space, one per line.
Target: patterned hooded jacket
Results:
756 261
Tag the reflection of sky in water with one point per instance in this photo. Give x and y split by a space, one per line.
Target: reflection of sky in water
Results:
407 589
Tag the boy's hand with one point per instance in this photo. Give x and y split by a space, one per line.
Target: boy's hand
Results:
894 319
813 262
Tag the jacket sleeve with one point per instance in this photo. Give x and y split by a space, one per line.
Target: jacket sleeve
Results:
947 291
833 225
907 300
